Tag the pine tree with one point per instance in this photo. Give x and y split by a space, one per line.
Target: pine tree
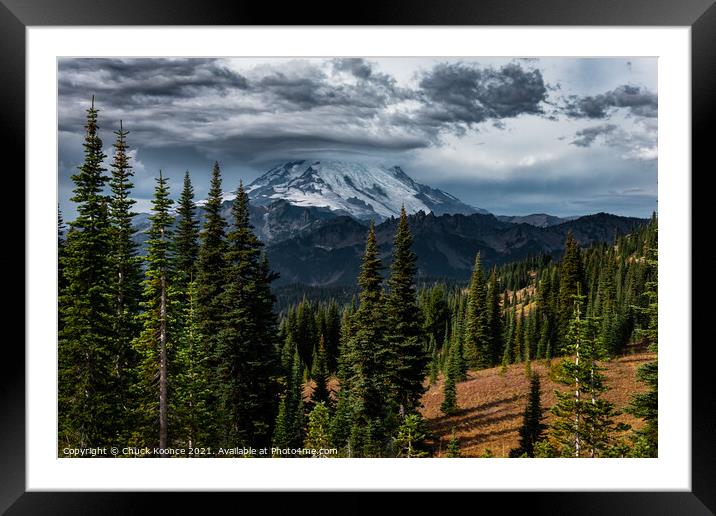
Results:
89 410
584 422
453 450
305 331
190 376
518 342
155 342
210 278
127 270
410 437
532 427
319 374
187 236
318 437
452 375
342 421
246 359
406 342
289 428
494 319
332 334
368 354
477 338
646 405
572 281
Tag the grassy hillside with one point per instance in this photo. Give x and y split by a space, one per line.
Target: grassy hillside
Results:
491 404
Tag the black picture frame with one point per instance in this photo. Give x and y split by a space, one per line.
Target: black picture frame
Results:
16 15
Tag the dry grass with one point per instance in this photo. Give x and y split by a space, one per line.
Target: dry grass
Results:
491 404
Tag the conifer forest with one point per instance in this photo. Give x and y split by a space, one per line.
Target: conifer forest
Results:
177 344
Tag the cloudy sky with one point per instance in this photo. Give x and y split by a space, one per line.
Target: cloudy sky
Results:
564 136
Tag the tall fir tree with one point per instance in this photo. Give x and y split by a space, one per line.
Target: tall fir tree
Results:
646 405
191 378
247 364
88 409
154 344
319 374
187 237
452 376
477 338
494 319
190 369
406 341
210 279
368 355
289 429
318 436
127 269
584 423
572 282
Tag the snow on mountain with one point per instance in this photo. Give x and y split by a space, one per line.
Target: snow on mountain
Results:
362 191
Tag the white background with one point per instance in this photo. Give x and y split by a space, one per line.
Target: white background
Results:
671 471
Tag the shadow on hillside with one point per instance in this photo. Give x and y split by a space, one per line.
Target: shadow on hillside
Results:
470 419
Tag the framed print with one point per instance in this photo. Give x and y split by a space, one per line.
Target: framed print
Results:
417 246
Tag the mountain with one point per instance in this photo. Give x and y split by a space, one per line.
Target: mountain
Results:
541 220
329 253
358 190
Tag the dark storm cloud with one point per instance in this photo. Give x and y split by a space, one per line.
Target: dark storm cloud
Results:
459 93
136 80
638 100
358 66
586 137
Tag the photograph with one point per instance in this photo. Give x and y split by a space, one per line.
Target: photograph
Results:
357 257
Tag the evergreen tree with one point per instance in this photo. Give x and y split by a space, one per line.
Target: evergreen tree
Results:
333 334
494 319
453 450
246 345
342 421
532 427
289 428
319 423
127 270
572 281
646 405
518 343
477 337
319 374
368 354
154 343
88 408
410 437
191 377
452 375
187 236
406 342
584 422
210 278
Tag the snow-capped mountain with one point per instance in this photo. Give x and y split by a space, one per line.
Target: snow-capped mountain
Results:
362 191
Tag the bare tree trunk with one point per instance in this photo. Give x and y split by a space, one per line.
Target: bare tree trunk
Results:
163 364
577 443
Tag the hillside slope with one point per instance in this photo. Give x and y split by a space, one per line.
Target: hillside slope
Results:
491 405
